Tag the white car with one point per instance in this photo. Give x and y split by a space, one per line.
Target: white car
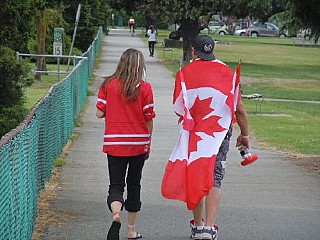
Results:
215 27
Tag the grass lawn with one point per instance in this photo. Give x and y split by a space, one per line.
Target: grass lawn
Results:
279 70
261 57
39 88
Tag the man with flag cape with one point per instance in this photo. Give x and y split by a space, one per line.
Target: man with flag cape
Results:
208 101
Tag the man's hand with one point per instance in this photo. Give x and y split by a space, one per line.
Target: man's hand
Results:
242 141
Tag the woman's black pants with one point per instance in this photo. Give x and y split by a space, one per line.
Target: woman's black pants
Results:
122 171
151 47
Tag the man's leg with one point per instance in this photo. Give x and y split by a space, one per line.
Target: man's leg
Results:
210 231
197 213
197 223
212 204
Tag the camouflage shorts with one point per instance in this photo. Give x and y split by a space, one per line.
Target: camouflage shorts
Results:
219 168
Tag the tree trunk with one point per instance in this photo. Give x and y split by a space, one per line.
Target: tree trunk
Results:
41 44
190 29
150 21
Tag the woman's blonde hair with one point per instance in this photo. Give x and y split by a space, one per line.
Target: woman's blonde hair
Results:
130 71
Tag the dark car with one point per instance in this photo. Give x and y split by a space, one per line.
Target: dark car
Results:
260 29
263 29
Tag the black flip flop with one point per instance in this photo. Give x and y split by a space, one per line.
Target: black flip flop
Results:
138 236
113 233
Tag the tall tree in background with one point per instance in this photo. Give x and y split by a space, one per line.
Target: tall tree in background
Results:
306 15
93 14
16 19
187 13
41 40
28 24
44 9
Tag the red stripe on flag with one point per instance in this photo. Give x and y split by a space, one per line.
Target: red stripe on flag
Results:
188 183
174 182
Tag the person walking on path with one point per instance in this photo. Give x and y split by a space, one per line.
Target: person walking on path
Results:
126 102
206 101
132 25
152 38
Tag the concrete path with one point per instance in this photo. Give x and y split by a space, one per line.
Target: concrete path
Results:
270 199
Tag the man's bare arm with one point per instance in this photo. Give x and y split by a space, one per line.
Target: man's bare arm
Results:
242 120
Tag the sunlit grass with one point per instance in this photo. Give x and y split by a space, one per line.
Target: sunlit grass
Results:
39 88
261 57
287 126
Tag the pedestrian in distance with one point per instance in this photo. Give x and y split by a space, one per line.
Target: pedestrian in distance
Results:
152 39
208 101
125 101
132 25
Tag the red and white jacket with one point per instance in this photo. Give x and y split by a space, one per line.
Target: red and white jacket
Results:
126 132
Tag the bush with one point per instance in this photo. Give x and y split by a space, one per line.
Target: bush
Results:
14 75
10 118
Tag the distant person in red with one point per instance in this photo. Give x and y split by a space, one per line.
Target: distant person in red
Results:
132 25
125 101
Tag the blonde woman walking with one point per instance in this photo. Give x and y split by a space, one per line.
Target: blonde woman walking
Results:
125 101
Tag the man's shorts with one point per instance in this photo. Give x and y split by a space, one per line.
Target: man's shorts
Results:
219 168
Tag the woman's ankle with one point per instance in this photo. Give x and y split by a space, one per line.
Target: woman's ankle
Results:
132 231
116 217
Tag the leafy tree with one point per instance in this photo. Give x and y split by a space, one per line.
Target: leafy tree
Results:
305 14
13 77
188 13
49 17
16 22
93 14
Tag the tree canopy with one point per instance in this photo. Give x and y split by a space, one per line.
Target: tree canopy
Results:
187 13
306 15
27 27
301 14
16 23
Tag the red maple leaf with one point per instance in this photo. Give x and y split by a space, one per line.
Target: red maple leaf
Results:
193 142
198 111
211 125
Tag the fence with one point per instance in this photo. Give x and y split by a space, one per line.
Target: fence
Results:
27 153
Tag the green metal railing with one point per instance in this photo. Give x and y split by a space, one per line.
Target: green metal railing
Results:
27 153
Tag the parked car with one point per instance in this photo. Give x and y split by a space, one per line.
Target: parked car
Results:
259 29
241 32
215 27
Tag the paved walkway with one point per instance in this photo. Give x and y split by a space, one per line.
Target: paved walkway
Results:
270 199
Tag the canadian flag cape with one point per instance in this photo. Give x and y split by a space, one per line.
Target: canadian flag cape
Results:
205 97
